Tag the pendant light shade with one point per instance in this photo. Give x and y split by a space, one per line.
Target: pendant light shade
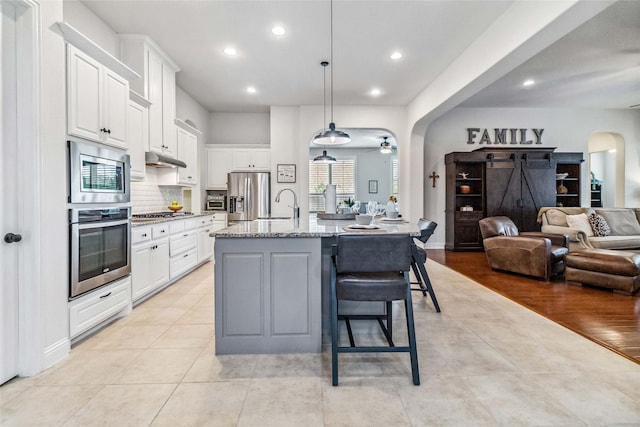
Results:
324 158
330 136
385 147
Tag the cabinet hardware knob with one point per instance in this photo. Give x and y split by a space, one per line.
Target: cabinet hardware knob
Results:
12 238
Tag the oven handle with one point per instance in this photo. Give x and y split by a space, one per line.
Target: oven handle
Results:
102 224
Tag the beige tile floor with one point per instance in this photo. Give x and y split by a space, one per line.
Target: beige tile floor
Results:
484 361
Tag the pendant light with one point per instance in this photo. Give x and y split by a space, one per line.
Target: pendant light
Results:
385 146
332 136
324 158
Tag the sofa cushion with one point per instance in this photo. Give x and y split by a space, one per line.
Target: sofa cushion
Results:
615 242
580 222
623 222
599 225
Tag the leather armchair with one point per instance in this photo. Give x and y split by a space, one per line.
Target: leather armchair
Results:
530 253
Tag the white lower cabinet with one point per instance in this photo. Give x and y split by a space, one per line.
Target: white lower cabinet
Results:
183 252
149 266
95 307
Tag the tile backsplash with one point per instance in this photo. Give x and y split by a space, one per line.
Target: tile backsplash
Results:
147 196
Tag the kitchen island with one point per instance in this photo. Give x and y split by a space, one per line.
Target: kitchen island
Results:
272 283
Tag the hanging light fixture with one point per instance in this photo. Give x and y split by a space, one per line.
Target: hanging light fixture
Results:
324 158
331 136
385 146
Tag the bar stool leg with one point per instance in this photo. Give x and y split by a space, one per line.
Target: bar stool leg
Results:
334 329
408 305
427 283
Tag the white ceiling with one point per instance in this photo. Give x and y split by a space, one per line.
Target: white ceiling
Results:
598 65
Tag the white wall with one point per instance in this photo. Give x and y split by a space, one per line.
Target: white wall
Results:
54 224
239 128
84 20
568 130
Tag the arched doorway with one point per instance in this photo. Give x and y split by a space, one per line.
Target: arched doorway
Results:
606 167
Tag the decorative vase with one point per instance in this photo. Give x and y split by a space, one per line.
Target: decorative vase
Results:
465 189
562 189
391 210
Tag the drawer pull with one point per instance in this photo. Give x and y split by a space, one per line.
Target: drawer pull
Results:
105 295
144 234
185 255
184 235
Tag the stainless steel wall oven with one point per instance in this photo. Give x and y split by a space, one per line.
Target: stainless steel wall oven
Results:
98 174
99 247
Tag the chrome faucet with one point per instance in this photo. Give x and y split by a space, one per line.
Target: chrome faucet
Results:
296 208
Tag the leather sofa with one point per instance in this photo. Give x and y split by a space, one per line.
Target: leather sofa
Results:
624 225
530 253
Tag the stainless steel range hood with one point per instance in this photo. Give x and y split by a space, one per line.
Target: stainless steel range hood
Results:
161 161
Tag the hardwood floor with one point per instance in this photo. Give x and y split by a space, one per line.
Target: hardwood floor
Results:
609 319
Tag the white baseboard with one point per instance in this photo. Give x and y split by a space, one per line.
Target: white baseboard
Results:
56 352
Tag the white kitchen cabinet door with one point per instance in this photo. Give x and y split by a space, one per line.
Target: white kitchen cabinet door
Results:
137 138
154 91
252 159
169 111
205 244
149 267
83 93
188 153
97 100
114 109
219 164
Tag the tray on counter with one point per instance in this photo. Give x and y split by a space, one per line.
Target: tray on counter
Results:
345 216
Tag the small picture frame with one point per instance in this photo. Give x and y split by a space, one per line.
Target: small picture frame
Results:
373 186
286 173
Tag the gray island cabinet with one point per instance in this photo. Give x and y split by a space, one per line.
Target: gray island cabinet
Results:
272 281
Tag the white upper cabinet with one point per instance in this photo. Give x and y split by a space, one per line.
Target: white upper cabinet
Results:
252 159
188 153
187 150
137 134
219 163
158 85
97 100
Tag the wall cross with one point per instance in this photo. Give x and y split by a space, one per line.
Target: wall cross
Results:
433 177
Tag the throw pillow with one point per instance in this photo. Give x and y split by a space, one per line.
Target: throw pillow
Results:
623 222
556 217
580 222
599 225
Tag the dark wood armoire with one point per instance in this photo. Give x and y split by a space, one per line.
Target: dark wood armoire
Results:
514 182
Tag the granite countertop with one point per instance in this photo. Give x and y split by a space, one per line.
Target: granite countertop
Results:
138 222
308 227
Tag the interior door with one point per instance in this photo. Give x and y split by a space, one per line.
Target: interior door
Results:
9 252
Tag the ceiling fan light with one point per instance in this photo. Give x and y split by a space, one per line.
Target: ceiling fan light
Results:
332 136
324 158
385 146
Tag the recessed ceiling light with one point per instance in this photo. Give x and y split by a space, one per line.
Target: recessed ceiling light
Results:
396 55
375 92
251 89
278 30
528 82
230 51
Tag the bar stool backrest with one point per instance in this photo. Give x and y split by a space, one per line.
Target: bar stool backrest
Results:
358 253
427 227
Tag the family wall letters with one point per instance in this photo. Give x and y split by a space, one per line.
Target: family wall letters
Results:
504 136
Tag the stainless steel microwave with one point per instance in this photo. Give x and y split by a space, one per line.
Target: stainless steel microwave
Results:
98 174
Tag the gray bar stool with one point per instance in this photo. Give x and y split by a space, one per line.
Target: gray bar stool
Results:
419 257
372 267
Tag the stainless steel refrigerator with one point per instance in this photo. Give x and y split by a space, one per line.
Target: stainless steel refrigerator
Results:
249 195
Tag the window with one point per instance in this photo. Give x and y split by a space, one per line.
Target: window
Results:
394 177
342 173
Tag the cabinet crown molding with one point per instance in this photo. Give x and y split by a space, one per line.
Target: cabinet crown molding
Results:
79 40
148 40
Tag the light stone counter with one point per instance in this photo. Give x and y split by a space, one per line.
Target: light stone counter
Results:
308 227
138 222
